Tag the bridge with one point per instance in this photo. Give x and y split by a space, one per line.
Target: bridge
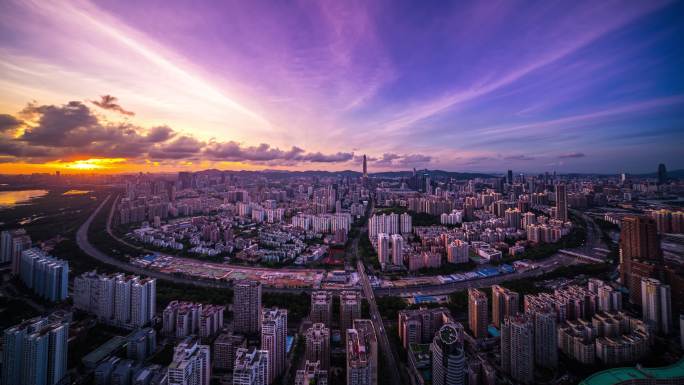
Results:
581 256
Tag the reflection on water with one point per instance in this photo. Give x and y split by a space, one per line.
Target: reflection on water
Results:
11 198
77 192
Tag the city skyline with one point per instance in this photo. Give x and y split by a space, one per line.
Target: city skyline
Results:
476 87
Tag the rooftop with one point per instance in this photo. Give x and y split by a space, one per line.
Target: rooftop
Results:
619 375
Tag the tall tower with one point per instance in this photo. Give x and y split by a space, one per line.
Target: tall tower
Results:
350 309
477 313
662 173
273 339
365 167
517 348
448 358
318 345
561 202
321 307
505 303
247 307
640 253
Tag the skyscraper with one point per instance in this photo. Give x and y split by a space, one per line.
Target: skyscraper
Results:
509 177
477 313
656 305
505 303
545 338
350 309
640 253
362 353
12 243
124 301
191 364
318 345
226 346
35 352
383 249
517 348
561 202
48 277
448 357
321 307
365 167
662 174
251 367
397 250
247 307
273 340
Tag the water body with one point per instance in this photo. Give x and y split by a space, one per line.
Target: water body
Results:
77 192
13 198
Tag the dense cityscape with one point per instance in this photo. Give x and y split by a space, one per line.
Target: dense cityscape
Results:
471 192
420 277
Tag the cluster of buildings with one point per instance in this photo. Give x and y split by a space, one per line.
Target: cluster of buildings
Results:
117 299
46 276
182 319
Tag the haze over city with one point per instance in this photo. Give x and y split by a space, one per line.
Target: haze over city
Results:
467 86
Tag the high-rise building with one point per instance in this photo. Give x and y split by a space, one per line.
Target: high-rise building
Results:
318 345
406 225
365 167
639 245
362 353
505 303
350 309
383 249
517 348
477 313
226 346
35 352
12 243
321 307
448 357
141 344
182 318
191 364
545 338
273 340
561 202
312 374
48 277
418 326
662 173
656 305
397 250
247 307
124 301
509 177
251 367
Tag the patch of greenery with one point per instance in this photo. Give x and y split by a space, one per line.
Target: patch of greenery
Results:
389 307
297 305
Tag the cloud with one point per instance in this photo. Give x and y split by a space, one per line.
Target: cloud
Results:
519 157
570 155
390 159
108 102
73 132
9 123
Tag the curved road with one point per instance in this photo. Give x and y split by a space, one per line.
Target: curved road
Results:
88 248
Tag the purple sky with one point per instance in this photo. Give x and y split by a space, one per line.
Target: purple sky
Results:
471 86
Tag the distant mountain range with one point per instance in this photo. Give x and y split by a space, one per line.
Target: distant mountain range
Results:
352 174
674 174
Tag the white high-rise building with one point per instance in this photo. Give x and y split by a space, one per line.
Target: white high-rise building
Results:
191 364
124 301
321 307
350 309
656 305
397 250
251 367
517 348
406 223
48 277
35 352
383 248
273 339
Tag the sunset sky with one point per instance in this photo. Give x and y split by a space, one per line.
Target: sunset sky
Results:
464 86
